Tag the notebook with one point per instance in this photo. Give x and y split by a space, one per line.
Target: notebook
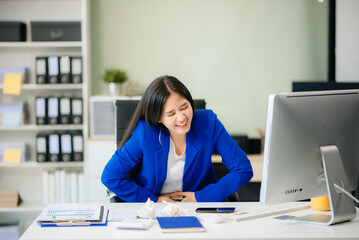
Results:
180 224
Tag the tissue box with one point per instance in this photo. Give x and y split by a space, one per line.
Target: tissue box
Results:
56 31
12 31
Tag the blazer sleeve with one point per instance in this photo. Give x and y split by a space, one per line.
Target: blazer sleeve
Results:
114 175
236 161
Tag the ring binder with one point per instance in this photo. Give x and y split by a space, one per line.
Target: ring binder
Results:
53 110
41 70
53 67
54 147
65 110
42 148
65 69
76 69
66 147
77 110
41 110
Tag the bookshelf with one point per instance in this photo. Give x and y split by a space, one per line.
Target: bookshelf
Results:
27 177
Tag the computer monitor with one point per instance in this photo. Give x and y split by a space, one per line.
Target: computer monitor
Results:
300 127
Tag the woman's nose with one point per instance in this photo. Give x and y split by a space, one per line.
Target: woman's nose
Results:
180 117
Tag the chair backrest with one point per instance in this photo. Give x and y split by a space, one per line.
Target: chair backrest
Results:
125 109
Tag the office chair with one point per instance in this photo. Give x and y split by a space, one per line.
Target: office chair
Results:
124 110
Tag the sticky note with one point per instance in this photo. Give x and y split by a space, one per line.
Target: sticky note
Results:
12 155
12 83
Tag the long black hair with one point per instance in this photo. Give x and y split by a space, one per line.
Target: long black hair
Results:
151 105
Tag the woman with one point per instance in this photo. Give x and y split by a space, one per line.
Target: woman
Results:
171 144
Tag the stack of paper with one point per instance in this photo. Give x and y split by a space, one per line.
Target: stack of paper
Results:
14 114
14 152
9 199
9 230
61 186
95 215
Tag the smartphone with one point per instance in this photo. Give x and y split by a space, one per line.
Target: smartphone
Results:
215 210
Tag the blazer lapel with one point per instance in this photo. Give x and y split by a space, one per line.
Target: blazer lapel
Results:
191 151
161 159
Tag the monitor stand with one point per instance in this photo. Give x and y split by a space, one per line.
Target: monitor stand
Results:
342 207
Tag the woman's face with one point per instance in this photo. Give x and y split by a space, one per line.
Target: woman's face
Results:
177 114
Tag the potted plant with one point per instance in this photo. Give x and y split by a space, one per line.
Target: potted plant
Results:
115 78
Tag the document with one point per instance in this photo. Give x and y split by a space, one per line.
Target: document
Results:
12 155
12 83
22 70
11 114
91 213
13 152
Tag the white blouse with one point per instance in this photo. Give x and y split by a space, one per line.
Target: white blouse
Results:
175 168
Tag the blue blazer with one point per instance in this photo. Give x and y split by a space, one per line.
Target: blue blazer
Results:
149 147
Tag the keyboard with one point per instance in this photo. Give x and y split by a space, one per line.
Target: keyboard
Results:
268 211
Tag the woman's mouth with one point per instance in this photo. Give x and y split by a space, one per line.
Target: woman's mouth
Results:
183 125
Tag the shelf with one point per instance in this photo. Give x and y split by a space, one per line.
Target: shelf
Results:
32 127
37 87
24 207
41 45
46 165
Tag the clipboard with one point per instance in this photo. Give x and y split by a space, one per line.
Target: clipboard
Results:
78 222
90 213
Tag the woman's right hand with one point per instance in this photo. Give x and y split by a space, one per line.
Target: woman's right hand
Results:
168 197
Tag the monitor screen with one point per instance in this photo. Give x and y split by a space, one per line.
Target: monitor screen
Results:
298 124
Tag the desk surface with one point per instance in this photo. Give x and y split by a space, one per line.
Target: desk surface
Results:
262 228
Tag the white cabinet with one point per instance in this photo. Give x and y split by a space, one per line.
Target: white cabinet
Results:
27 177
100 151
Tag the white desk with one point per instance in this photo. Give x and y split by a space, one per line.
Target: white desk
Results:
262 228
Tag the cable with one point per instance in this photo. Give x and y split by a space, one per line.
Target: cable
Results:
347 193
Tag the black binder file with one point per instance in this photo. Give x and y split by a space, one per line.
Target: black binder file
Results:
66 147
42 151
65 69
54 68
76 69
53 110
77 144
76 105
41 70
41 110
65 110
54 147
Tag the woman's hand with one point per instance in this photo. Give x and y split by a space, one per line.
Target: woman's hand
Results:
187 196
168 197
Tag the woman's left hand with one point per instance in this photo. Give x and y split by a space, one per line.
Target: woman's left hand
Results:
187 196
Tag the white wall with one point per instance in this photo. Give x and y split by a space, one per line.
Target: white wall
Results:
233 53
347 41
